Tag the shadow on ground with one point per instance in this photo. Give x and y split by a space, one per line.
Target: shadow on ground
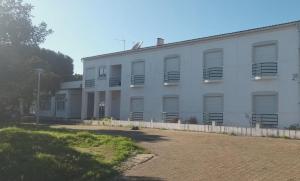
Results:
136 135
137 178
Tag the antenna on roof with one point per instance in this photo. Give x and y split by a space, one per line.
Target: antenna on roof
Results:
137 45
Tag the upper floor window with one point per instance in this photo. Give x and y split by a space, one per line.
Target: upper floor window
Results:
90 77
213 65
102 72
172 70
137 73
264 59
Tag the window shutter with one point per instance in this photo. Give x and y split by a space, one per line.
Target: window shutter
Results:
137 105
265 53
138 68
172 64
213 59
90 73
213 104
265 104
171 104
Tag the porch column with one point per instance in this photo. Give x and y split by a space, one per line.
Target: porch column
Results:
107 103
84 105
96 104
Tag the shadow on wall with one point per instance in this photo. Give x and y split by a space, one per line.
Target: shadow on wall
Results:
139 178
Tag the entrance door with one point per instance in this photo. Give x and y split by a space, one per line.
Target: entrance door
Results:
90 105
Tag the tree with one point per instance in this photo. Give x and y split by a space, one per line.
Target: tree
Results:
20 55
16 26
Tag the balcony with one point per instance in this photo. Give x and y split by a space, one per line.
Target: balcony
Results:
265 120
170 117
208 118
137 80
114 81
136 116
212 74
265 69
171 77
89 83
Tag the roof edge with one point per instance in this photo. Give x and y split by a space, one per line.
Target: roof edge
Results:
196 40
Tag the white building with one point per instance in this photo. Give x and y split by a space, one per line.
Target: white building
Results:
66 104
234 79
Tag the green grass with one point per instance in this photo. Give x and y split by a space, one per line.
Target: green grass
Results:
42 154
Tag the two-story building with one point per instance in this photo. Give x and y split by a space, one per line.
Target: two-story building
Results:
235 79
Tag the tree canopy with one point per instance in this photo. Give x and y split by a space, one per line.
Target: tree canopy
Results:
20 56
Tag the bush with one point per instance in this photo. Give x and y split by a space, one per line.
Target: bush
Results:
192 120
294 127
173 120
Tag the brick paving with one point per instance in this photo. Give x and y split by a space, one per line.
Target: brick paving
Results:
191 156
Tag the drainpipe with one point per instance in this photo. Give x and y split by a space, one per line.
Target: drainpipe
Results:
298 80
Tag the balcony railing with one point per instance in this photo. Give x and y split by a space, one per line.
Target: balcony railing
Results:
114 81
213 73
172 77
170 117
137 79
90 83
216 117
136 116
265 120
264 69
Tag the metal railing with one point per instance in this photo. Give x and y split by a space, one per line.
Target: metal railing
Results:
136 116
114 81
265 120
264 69
172 76
137 79
89 83
170 116
213 73
216 117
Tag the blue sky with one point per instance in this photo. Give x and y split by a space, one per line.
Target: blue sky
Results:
85 28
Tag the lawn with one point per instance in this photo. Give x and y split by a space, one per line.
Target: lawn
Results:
31 153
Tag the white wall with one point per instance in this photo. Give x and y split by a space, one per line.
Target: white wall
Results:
237 85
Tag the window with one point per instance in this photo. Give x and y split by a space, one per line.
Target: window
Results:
264 59
265 108
170 108
90 77
213 109
213 65
60 100
138 73
137 109
172 69
102 72
45 103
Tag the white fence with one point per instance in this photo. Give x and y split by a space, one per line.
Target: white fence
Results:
241 131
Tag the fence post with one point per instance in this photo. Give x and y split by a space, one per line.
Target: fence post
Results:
257 129
151 123
213 124
179 124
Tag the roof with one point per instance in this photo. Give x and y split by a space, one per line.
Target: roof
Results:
197 40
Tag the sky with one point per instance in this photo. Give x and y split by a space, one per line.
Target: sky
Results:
85 28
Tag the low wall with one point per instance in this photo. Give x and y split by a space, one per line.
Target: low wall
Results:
241 131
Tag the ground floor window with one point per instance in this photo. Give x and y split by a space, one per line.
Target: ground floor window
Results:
60 100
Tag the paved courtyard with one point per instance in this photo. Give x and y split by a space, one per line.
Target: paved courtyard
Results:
190 156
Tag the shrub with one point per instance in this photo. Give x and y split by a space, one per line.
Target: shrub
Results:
294 127
175 120
192 120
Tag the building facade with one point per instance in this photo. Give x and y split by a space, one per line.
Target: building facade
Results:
65 104
234 79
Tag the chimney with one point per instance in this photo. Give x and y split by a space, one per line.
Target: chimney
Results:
160 41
